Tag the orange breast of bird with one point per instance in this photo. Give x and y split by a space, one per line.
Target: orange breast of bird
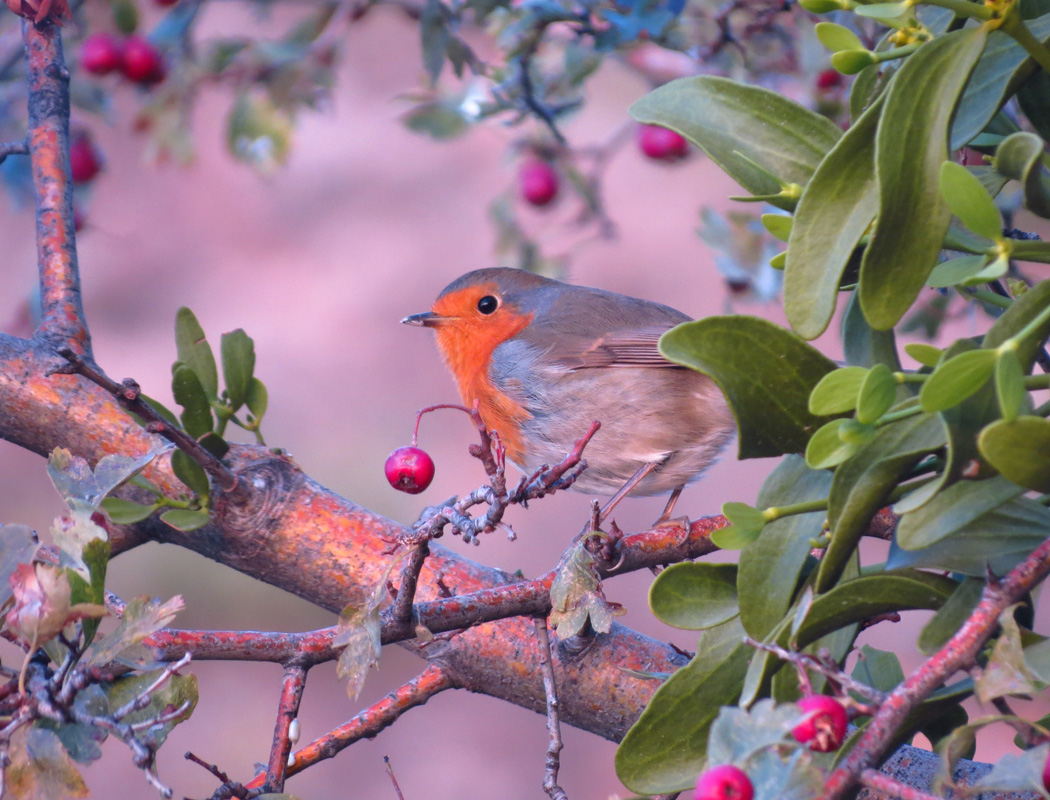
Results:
467 341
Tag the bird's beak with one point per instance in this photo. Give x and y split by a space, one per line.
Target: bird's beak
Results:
428 319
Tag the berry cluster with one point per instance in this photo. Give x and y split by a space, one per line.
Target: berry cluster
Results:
134 57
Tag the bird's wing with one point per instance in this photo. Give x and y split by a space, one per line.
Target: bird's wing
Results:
622 348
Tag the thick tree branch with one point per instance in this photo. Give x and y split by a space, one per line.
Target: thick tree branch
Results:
62 322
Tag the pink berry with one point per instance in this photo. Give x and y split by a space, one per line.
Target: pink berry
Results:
829 79
1046 774
662 144
100 54
538 182
142 62
84 160
824 728
409 469
724 782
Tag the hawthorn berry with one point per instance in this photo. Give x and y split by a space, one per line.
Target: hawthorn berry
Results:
662 144
724 782
142 62
829 79
538 182
84 159
409 469
100 53
1046 774
824 727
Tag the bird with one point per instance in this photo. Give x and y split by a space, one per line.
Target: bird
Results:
542 359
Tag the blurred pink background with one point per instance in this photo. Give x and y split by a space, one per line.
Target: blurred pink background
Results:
318 263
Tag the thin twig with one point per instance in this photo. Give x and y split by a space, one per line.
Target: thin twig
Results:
129 395
406 592
550 688
143 699
891 787
827 668
371 721
393 778
959 653
287 711
14 149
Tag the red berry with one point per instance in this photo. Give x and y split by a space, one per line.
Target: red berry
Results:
824 728
100 53
409 469
142 62
662 144
829 79
165 3
724 782
1046 774
84 160
538 182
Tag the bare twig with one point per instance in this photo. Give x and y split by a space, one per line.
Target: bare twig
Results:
371 721
825 666
393 778
406 592
959 653
129 395
891 787
550 688
287 711
13 149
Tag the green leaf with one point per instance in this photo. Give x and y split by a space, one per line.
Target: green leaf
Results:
1020 156
178 691
766 372
238 363
827 448
862 484
909 150
883 11
1002 68
733 537
925 354
956 379
190 473
695 596
751 133
850 62
879 669
215 444
1034 99
1021 312
956 271
1009 385
40 768
744 516
867 87
126 512
837 37
1006 672
81 741
770 566
1019 450
258 133
434 29
83 487
188 392
185 519
996 541
258 398
779 225
1017 772
141 618
969 201
952 509
18 545
837 392
195 352
950 617
664 750
876 395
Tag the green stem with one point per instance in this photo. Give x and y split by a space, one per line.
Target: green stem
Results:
1027 330
910 377
904 413
898 52
963 8
965 242
776 512
1031 251
991 298
1037 382
1015 27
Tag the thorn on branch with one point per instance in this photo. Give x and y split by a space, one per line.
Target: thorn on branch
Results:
129 396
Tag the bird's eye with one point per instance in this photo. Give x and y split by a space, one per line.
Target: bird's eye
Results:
488 304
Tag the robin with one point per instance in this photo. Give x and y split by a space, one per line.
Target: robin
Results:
543 359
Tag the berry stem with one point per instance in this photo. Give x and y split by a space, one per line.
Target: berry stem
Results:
422 411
